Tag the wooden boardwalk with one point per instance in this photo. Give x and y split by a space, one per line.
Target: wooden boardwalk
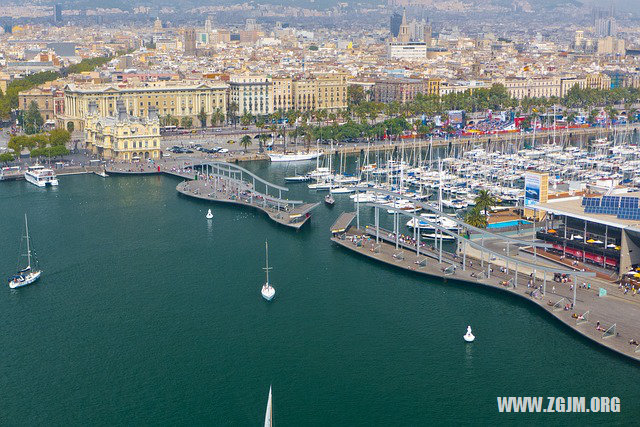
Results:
225 189
277 210
589 307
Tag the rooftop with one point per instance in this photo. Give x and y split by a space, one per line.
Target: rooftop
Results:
572 206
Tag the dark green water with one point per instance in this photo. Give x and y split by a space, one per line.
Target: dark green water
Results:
148 314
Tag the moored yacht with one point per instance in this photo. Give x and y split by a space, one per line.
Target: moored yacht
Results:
41 176
294 157
425 226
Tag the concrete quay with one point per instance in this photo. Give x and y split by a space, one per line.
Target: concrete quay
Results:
69 170
608 321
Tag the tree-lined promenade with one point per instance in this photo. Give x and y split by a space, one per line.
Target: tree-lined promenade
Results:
369 119
50 144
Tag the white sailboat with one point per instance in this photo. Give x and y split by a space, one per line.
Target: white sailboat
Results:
268 416
469 337
27 275
268 292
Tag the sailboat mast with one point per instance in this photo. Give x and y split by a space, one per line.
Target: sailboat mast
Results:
26 227
266 250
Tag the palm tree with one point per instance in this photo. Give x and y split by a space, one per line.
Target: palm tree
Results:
484 201
232 111
246 119
246 142
475 218
202 117
217 116
262 138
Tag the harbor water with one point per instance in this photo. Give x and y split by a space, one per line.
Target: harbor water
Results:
148 313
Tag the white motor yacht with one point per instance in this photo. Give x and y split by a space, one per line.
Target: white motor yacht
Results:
40 176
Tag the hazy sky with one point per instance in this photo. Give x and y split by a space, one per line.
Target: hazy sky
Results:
622 5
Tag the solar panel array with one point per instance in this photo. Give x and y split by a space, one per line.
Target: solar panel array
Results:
622 207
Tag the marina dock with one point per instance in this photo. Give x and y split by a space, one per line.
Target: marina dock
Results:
72 170
617 320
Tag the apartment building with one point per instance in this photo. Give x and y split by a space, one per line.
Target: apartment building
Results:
404 90
251 94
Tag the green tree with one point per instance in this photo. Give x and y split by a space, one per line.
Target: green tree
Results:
202 117
355 94
246 119
58 151
55 151
217 117
7 157
39 140
186 122
33 120
262 138
59 137
475 218
484 200
87 64
17 143
232 111
246 141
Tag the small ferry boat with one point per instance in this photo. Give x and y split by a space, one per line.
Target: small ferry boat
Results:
27 275
294 157
40 176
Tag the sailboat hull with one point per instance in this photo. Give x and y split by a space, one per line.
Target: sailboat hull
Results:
268 293
28 279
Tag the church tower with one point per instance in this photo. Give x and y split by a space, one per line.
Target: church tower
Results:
404 35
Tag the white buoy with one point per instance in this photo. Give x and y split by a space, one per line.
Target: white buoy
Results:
209 214
468 337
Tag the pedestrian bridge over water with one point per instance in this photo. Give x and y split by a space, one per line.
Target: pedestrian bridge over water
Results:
228 183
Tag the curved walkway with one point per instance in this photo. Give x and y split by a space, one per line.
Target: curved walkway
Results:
226 183
594 317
